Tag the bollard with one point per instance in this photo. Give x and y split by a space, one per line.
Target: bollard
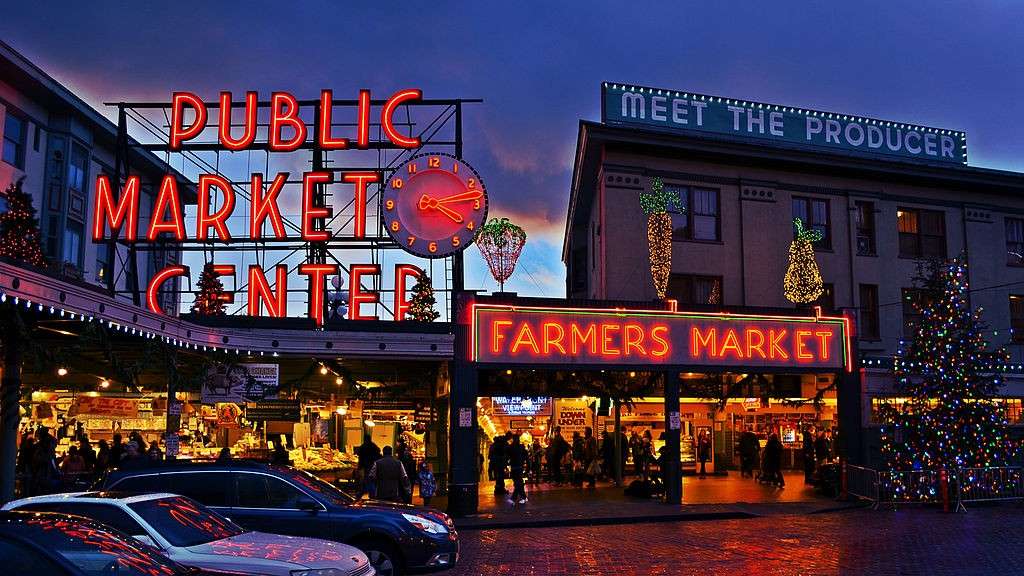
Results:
843 492
944 490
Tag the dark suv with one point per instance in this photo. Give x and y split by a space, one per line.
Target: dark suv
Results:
396 537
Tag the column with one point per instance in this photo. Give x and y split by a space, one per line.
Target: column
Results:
10 391
672 472
463 496
850 404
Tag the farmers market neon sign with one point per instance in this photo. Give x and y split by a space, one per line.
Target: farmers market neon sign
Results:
117 212
544 335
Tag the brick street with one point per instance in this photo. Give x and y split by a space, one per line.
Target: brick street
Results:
907 542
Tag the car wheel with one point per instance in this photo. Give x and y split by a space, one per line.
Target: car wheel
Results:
383 558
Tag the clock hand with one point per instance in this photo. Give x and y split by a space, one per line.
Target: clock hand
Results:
463 197
426 202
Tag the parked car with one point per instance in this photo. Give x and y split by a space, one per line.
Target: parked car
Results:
33 543
398 538
191 534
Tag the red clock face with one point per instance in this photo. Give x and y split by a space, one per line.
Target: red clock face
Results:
433 205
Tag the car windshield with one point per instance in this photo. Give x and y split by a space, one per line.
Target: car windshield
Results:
325 489
185 522
97 550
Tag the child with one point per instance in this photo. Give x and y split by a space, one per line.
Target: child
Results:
428 485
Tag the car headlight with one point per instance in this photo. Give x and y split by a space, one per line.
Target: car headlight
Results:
320 572
426 524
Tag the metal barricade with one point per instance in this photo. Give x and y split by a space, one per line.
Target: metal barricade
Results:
862 482
902 487
990 484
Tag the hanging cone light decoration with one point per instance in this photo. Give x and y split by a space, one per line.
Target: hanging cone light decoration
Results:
501 242
802 283
655 204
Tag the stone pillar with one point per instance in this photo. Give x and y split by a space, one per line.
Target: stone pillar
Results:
463 482
672 471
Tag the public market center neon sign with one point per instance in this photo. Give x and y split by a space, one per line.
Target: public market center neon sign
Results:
576 336
286 132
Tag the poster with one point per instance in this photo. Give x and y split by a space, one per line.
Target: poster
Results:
227 415
100 406
573 415
240 383
521 405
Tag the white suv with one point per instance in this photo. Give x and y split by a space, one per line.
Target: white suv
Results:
194 535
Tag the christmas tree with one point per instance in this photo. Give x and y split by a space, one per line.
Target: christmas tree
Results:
656 204
948 376
19 229
210 301
421 305
802 283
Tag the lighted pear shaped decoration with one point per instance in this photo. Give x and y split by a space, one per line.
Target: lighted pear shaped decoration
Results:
656 203
500 242
803 283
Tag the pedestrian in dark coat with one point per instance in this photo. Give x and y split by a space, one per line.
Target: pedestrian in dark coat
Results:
749 449
808 451
389 478
773 460
517 459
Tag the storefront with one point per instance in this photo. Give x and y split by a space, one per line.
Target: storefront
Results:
786 370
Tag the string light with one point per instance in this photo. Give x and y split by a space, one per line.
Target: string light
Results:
655 203
62 371
802 283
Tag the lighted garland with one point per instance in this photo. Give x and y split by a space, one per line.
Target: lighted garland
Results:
20 240
500 242
803 283
655 203
949 420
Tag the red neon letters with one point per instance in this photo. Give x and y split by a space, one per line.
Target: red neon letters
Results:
552 338
204 220
126 212
248 126
310 210
153 290
357 295
403 272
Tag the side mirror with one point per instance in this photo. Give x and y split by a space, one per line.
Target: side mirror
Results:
308 504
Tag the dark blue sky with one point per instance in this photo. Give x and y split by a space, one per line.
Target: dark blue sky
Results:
538 66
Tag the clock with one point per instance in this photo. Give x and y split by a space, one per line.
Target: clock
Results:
433 205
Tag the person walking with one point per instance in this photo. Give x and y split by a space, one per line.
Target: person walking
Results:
822 449
428 485
749 449
366 455
498 461
559 448
636 445
517 458
807 439
703 451
116 450
591 466
405 457
536 462
773 461
72 467
389 478
45 475
576 452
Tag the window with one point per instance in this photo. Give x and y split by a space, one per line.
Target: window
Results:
865 228
259 491
922 233
183 522
77 168
73 243
1015 241
149 483
15 135
689 289
102 257
109 514
37 139
868 311
20 558
699 217
209 488
815 215
1017 318
914 299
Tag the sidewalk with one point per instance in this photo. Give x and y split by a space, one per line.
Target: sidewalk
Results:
714 498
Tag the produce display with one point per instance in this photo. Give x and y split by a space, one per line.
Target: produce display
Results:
321 459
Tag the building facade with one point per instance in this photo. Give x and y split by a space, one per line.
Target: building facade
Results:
56 145
878 216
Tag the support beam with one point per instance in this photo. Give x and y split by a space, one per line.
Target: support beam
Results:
463 497
672 470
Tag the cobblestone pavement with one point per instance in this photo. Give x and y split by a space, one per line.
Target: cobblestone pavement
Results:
907 542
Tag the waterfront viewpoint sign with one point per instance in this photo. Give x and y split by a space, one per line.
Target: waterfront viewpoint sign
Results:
688 112
505 334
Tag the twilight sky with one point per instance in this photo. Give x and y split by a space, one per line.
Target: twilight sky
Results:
538 66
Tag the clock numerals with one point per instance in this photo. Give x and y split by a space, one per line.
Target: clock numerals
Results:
455 167
470 226
434 162
411 240
395 227
456 241
412 168
432 247
471 183
476 204
389 205
397 183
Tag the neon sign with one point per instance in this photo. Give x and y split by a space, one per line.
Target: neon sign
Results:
544 335
117 211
